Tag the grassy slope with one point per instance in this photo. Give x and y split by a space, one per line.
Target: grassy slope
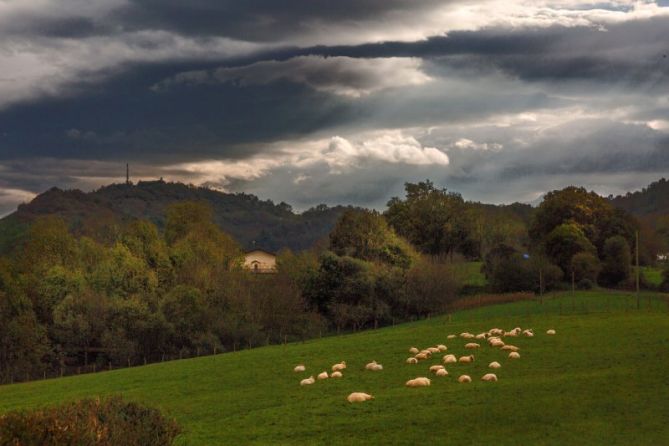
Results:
601 380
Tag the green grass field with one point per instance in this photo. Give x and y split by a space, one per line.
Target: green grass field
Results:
652 275
603 379
469 273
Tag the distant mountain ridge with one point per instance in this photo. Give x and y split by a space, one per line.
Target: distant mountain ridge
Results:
652 200
251 221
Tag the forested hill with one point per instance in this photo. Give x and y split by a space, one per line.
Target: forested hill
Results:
251 221
650 201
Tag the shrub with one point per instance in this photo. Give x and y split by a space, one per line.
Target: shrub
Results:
586 266
585 284
107 422
664 287
616 267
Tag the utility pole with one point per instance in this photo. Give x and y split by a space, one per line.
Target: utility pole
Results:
638 299
127 173
541 285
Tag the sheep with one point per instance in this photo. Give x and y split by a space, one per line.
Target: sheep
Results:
472 345
491 377
451 336
514 355
449 359
336 374
422 355
464 379
434 368
441 372
339 367
510 333
413 350
412 361
418 382
509 347
497 343
481 336
494 365
442 347
359 397
469 358
308 381
323 375
550 332
466 335
495 332
528 333
433 350
299 368
374 366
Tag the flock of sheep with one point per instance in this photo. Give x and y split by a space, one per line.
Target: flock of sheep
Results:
494 338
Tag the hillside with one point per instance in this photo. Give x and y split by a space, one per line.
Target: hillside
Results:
251 221
600 380
651 200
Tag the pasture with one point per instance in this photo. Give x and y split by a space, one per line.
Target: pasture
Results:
601 380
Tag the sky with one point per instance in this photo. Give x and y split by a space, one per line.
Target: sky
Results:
336 102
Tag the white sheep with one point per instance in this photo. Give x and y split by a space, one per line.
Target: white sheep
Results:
497 343
339 367
359 397
413 350
514 355
323 375
464 379
434 368
307 381
528 333
510 348
495 332
442 347
466 335
412 361
433 350
469 358
418 382
494 365
336 374
299 368
423 355
550 332
374 366
441 372
451 336
472 345
481 336
449 359
489 377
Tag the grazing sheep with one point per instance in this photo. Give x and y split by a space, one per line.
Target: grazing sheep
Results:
494 365
418 382
489 377
514 355
469 358
336 374
323 375
422 355
359 397
299 368
412 361
464 379
550 332
449 359
374 366
307 381
339 367
413 350
441 372
472 345
481 336
509 347
434 368
510 333
433 350
497 343
528 333
442 347
451 336
495 332
466 335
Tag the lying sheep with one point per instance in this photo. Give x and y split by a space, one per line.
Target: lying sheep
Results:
550 332
434 368
323 375
339 367
494 365
466 335
449 359
495 332
423 355
469 358
336 374
464 379
441 372
510 348
491 377
308 381
514 355
418 382
374 366
433 350
481 336
412 361
359 397
442 347
451 336
472 345
528 333
299 368
413 350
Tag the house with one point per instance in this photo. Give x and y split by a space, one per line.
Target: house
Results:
260 261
